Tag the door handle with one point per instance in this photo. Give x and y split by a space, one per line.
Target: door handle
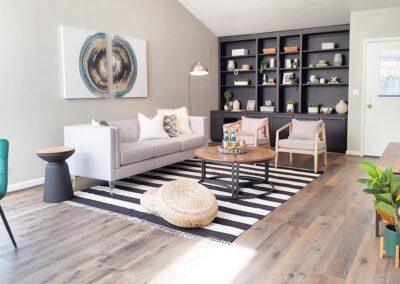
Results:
369 105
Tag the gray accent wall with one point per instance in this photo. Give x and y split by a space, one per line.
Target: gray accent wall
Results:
32 109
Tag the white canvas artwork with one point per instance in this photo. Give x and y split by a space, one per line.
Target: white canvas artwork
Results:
85 55
84 63
129 67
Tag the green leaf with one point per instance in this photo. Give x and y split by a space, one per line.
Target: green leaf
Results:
386 208
363 180
369 168
384 197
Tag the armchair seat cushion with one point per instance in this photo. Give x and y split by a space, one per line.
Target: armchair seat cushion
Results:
301 144
262 140
135 152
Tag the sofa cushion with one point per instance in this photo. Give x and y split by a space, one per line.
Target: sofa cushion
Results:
151 128
164 146
182 118
128 129
249 140
300 144
305 129
135 152
190 141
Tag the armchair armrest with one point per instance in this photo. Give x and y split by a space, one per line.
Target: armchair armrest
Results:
287 125
320 134
266 131
97 152
199 126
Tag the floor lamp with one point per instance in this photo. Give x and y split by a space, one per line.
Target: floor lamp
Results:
197 70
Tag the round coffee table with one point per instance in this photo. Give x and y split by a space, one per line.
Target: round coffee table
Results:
254 155
57 183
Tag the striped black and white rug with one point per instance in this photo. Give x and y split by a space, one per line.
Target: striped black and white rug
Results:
234 216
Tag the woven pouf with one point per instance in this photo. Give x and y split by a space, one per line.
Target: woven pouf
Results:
148 201
186 204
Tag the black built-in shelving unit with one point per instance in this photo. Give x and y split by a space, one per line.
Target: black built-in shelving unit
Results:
303 93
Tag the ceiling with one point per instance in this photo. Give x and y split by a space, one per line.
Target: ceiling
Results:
234 17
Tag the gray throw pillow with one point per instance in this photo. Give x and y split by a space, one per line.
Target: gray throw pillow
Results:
170 125
99 122
305 129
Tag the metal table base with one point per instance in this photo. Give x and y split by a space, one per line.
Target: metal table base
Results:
235 185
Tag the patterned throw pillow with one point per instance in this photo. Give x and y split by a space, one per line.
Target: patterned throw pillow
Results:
170 125
99 122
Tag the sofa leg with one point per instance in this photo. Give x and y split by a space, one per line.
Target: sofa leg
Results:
111 186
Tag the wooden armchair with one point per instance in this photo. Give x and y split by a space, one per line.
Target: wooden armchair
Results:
313 147
259 137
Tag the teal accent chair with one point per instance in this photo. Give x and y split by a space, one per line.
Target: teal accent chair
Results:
4 182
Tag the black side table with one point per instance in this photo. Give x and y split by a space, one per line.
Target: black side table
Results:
57 184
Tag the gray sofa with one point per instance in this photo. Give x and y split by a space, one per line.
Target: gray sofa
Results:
114 152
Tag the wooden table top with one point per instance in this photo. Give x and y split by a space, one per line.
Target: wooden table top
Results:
391 157
55 150
254 155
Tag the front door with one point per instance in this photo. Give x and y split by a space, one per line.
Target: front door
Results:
382 95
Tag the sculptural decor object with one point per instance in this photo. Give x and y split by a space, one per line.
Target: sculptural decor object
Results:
341 107
337 59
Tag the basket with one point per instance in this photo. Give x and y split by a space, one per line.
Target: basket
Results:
232 151
270 50
289 49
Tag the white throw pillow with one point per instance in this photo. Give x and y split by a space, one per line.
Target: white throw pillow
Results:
182 119
151 128
305 129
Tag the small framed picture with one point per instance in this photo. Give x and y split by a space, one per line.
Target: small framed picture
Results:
286 78
271 81
251 105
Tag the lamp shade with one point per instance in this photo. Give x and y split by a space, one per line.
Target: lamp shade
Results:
198 69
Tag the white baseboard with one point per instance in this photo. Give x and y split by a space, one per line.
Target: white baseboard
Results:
354 153
25 184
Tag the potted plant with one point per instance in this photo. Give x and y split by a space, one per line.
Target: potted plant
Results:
313 108
263 66
385 188
290 105
228 96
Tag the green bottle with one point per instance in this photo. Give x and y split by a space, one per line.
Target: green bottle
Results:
225 141
233 138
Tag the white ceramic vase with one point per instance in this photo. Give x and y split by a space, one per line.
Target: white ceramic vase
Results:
341 107
337 59
231 65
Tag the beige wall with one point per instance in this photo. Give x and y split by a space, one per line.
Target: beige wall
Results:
365 25
32 110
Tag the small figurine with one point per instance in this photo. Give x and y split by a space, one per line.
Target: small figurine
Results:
264 79
268 103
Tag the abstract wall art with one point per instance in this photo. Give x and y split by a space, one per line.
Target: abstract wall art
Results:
129 67
86 72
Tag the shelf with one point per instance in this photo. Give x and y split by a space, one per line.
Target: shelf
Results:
289 69
267 54
268 70
242 71
236 86
327 67
241 56
268 86
289 85
326 85
325 50
286 53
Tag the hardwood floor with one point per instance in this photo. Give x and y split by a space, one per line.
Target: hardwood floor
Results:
324 234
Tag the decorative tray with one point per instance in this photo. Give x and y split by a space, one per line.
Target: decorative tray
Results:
232 151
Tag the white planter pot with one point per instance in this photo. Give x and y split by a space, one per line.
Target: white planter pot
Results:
231 65
312 109
290 108
337 59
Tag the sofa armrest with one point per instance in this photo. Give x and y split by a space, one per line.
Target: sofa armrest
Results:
199 126
96 151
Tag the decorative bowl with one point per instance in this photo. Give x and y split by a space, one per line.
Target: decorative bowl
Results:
232 151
